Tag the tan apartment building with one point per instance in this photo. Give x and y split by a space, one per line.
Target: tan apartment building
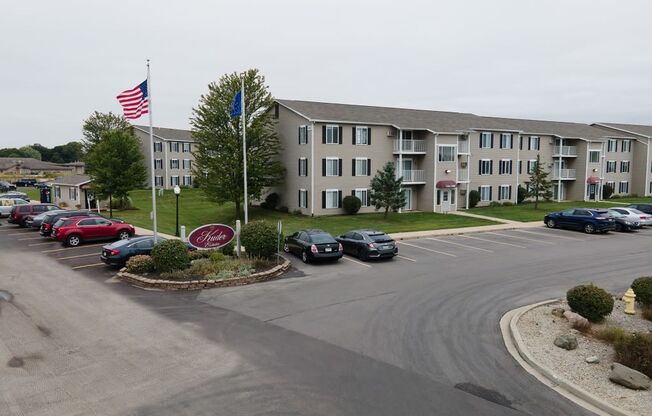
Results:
333 150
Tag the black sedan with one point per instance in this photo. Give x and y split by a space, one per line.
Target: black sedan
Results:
117 253
313 245
366 244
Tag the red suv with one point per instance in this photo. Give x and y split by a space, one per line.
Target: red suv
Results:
74 230
19 213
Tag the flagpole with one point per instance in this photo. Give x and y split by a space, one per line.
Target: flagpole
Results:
151 140
244 147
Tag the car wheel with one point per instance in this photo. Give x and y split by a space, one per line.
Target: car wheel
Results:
304 257
589 228
286 248
73 240
619 227
123 235
362 255
551 223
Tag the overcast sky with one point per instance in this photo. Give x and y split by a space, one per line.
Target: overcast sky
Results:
576 60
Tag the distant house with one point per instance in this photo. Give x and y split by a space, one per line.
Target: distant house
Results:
31 166
73 191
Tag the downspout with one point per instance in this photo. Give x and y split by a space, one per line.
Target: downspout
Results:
434 185
312 170
561 152
586 175
468 170
518 164
400 160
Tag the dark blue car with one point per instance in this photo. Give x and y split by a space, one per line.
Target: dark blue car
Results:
589 220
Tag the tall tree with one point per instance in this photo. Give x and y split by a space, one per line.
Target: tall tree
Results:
539 183
386 189
29 151
218 136
117 166
98 124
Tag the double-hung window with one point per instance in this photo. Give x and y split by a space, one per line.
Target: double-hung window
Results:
531 164
486 140
72 193
303 198
332 198
505 192
611 166
626 146
174 146
332 165
505 167
185 147
158 163
174 180
611 184
303 166
303 134
158 147
446 153
594 156
612 145
361 135
534 143
158 180
623 187
361 166
506 140
332 135
624 166
485 193
363 195
187 164
187 180
174 163
486 167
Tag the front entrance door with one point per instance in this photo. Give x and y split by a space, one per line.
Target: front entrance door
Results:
592 191
408 199
445 200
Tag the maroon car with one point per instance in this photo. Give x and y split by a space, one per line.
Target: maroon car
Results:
19 213
72 231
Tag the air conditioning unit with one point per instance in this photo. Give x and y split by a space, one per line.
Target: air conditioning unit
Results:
390 133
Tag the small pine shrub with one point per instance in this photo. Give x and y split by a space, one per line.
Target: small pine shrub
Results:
351 204
643 289
590 301
170 255
228 249
140 264
474 198
635 351
217 256
272 200
259 239
521 194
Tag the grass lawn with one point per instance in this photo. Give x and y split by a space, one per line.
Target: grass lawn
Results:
527 212
195 210
33 193
625 201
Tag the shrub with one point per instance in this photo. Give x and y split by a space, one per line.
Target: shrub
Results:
170 255
228 249
508 204
495 204
217 256
121 203
272 200
474 198
643 289
590 301
635 351
607 191
610 334
259 239
647 313
521 194
284 209
140 264
351 204
616 196
199 254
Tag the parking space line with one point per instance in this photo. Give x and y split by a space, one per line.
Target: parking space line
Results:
88 265
520 238
427 249
460 244
550 235
31 238
77 256
405 258
356 261
20 233
492 241
41 244
70 248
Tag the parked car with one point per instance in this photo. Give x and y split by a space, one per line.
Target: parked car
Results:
117 253
15 194
6 186
6 204
34 221
19 213
623 222
41 185
634 215
25 182
588 220
366 244
72 231
313 245
646 208
51 218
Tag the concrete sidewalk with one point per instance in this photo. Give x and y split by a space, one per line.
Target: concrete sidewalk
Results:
144 231
484 217
513 225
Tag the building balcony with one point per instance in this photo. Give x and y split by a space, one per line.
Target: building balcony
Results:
413 176
565 151
410 146
463 147
558 174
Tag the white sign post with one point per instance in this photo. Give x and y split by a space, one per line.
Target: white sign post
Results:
279 231
237 237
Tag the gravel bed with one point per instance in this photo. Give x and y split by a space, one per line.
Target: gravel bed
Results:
539 328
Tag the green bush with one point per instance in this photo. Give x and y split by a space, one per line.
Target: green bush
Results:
228 249
122 203
170 255
140 264
616 196
199 254
635 351
643 289
474 198
590 301
607 191
272 200
495 204
508 204
521 194
259 239
217 256
351 204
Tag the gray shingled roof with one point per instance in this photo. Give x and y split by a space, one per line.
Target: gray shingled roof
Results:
30 163
558 128
167 134
633 128
72 180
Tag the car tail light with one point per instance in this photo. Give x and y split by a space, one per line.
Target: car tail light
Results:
644 218
340 248
47 226
313 248
114 252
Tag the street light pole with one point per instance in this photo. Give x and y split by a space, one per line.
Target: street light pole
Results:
177 192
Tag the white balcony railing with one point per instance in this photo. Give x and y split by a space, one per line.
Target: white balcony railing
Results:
463 146
565 151
413 176
411 146
563 174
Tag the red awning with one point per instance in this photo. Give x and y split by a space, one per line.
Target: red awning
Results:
593 180
446 184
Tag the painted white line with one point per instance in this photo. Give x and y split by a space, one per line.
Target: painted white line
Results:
30 238
88 265
427 249
356 261
520 238
21 233
405 258
460 244
550 235
70 248
40 244
492 241
78 256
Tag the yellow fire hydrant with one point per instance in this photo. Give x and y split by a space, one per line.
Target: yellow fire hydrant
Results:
628 298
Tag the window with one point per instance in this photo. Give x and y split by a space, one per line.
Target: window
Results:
624 166
534 143
611 166
158 163
57 192
505 192
72 193
187 164
650 188
486 140
303 166
505 167
612 184
332 198
174 180
446 153
303 198
303 134
185 147
485 193
89 221
332 135
506 140
158 180
174 146
158 147
174 163
486 167
520 142
331 166
594 156
531 164
186 180
361 166
626 146
363 195
361 135
612 145
623 187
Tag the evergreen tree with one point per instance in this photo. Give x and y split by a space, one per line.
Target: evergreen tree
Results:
539 183
386 190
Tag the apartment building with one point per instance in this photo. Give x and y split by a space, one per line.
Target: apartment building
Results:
333 150
173 159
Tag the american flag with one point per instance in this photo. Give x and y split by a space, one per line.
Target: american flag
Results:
135 101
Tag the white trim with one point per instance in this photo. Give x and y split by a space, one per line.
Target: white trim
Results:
336 128
489 193
366 165
490 168
364 203
312 170
438 148
336 159
434 183
366 130
337 196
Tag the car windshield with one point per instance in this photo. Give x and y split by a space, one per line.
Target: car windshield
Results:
380 238
321 238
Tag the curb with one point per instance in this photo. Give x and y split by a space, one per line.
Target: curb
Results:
516 347
459 231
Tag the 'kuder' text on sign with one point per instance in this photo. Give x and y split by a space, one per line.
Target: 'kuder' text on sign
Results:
211 236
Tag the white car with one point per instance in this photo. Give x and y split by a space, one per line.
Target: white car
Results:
7 203
633 215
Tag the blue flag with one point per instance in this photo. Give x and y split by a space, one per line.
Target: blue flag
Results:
236 105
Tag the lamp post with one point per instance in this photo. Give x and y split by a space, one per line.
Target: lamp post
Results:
177 192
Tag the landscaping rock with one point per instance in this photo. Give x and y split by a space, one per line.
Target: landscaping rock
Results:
567 342
628 377
576 320
558 312
592 359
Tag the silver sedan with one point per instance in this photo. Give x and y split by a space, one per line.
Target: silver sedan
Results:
634 215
